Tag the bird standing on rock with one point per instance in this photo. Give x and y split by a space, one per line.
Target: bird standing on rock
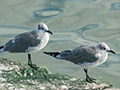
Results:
85 56
28 42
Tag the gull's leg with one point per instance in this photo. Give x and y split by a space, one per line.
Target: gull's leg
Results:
30 62
88 79
29 59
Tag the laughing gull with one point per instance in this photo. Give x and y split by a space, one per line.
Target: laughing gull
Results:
85 56
28 42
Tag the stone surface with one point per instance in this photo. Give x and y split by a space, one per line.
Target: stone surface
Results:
18 76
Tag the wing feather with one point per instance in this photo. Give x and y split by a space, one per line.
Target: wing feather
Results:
80 54
22 42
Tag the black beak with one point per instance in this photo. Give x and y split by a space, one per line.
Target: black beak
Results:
49 32
111 51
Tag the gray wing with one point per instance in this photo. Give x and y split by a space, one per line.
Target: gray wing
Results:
22 41
80 54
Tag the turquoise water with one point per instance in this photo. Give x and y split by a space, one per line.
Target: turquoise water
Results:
74 23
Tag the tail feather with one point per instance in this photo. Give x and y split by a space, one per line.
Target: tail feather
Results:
1 47
53 54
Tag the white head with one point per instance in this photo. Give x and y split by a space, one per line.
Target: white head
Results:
43 26
104 47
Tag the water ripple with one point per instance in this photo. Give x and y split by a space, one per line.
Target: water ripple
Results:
7 30
89 26
47 12
82 0
115 6
65 36
14 27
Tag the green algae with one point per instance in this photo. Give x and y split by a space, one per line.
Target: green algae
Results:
23 76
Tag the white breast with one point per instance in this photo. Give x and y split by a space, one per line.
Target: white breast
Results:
102 58
43 42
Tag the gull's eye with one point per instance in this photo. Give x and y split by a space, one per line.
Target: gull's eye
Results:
104 48
42 28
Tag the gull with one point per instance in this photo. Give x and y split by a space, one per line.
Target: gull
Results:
28 42
85 56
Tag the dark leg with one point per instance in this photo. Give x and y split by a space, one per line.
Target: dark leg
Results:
88 79
30 62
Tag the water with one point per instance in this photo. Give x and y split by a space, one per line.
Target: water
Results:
74 23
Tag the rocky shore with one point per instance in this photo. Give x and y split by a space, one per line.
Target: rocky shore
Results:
19 76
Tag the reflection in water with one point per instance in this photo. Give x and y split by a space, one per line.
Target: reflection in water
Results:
82 0
7 35
54 4
115 6
65 36
47 13
14 27
89 26
74 34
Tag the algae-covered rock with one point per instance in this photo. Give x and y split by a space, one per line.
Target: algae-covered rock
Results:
19 76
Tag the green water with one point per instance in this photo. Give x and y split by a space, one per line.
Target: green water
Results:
74 23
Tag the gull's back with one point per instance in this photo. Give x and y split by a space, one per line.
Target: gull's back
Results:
80 54
22 41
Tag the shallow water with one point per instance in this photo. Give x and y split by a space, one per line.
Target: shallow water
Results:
74 23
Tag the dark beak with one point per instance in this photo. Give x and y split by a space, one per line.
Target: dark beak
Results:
111 51
49 32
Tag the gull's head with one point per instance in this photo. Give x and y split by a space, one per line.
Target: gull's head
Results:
104 47
44 27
